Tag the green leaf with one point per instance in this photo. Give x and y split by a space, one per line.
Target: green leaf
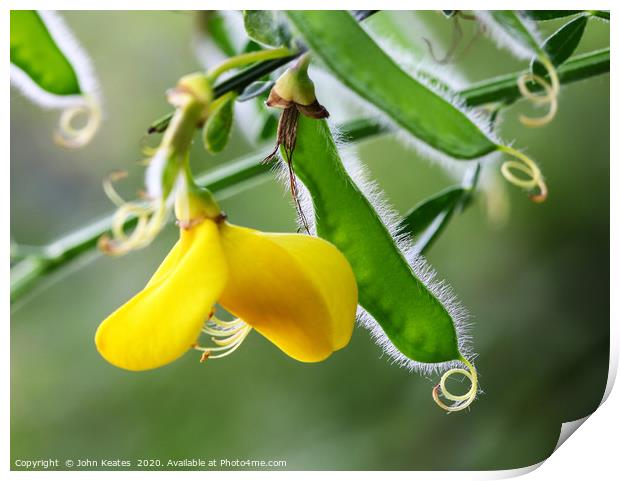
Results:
35 52
216 27
357 61
561 45
545 15
604 14
431 215
513 25
255 89
160 125
251 46
427 220
217 128
266 27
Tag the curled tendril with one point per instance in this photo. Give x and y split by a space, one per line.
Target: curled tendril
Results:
71 137
150 219
550 96
460 401
532 182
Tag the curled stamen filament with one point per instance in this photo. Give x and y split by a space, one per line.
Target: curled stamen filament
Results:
69 136
226 335
460 401
550 97
110 190
150 220
527 166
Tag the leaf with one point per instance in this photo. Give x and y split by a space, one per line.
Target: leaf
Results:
217 128
431 214
266 27
358 62
561 45
216 27
160 125
525 41
427 220
545 15
255 89
251 46
35 52
603 14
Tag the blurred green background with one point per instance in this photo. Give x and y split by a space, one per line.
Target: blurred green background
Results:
538 288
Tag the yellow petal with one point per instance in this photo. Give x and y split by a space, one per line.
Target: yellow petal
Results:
162 321
297 291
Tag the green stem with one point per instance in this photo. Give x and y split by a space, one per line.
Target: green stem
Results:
505 88
236 176
248 58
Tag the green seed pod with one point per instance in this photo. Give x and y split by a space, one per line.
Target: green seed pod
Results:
431 116
414 318
50 68
360 64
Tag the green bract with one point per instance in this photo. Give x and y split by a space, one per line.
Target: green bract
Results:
410 313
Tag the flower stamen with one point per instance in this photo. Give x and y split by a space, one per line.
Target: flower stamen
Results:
151 217
226 335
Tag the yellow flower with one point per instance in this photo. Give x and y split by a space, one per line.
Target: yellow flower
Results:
296 290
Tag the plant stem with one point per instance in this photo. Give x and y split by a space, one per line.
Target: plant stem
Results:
235 176
505 89
251 74
247 58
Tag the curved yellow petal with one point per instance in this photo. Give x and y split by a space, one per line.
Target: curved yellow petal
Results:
297 291
163 320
